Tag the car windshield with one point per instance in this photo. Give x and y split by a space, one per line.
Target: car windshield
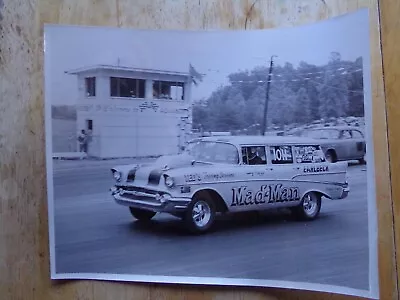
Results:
214 152
321 134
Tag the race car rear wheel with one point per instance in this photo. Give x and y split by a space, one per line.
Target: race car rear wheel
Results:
141 214
309 207
200 214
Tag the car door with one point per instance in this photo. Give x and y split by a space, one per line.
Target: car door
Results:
284 190
358 144
346 144
331 139
256 173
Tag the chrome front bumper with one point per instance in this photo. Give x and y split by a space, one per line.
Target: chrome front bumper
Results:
153 201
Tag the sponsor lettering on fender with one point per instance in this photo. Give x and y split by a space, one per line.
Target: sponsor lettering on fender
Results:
218 176
316 169
207 176
192 177
266 194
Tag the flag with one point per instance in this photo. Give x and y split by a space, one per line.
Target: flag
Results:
195 75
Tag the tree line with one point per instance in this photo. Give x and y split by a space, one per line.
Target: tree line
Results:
298 95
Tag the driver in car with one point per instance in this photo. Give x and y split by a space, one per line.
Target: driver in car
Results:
254 158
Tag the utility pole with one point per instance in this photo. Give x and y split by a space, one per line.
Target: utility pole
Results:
264 123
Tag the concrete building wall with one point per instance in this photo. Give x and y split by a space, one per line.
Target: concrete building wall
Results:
129 127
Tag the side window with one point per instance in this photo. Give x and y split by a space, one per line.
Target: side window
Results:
346 134
308 154
357 134
281 154
90 86
254 155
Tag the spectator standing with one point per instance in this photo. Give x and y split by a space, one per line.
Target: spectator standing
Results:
83 141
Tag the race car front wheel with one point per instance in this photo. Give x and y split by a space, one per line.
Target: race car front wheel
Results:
309 207
200 214
141 214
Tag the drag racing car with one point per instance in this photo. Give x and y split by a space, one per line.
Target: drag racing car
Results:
231 174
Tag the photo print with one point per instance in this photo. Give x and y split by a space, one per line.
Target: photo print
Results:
231 157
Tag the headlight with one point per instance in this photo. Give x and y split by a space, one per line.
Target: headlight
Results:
117 175
169 181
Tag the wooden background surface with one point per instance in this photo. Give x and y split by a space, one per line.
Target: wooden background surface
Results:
24 269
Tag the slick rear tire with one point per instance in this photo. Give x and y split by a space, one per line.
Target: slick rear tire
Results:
309 207
141 214
200 214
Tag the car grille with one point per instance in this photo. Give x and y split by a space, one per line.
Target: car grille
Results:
137 189
138 193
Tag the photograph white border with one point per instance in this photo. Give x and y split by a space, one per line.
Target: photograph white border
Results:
373 292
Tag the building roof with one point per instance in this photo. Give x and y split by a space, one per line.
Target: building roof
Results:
259 139
336 127
122 68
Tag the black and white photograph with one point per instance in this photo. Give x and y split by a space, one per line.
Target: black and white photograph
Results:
213 157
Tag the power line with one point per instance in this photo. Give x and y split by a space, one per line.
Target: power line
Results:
333 87
283 80
300 79
343 69
336 88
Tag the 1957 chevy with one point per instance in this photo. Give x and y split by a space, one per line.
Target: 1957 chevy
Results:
232 174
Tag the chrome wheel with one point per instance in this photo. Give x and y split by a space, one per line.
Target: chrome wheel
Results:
310 205
201 213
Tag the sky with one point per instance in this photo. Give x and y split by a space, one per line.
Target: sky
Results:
213 53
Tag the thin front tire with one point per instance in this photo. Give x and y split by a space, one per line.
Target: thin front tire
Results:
200 215
141 214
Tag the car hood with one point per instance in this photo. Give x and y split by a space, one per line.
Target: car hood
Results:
169 162
164 162
150 173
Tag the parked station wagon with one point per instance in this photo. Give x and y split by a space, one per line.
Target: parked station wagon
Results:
232 174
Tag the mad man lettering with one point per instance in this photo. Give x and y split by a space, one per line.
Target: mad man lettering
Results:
242 196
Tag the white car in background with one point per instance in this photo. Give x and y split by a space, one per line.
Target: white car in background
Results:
339 143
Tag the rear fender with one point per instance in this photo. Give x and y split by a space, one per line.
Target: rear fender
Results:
319 192
340 166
